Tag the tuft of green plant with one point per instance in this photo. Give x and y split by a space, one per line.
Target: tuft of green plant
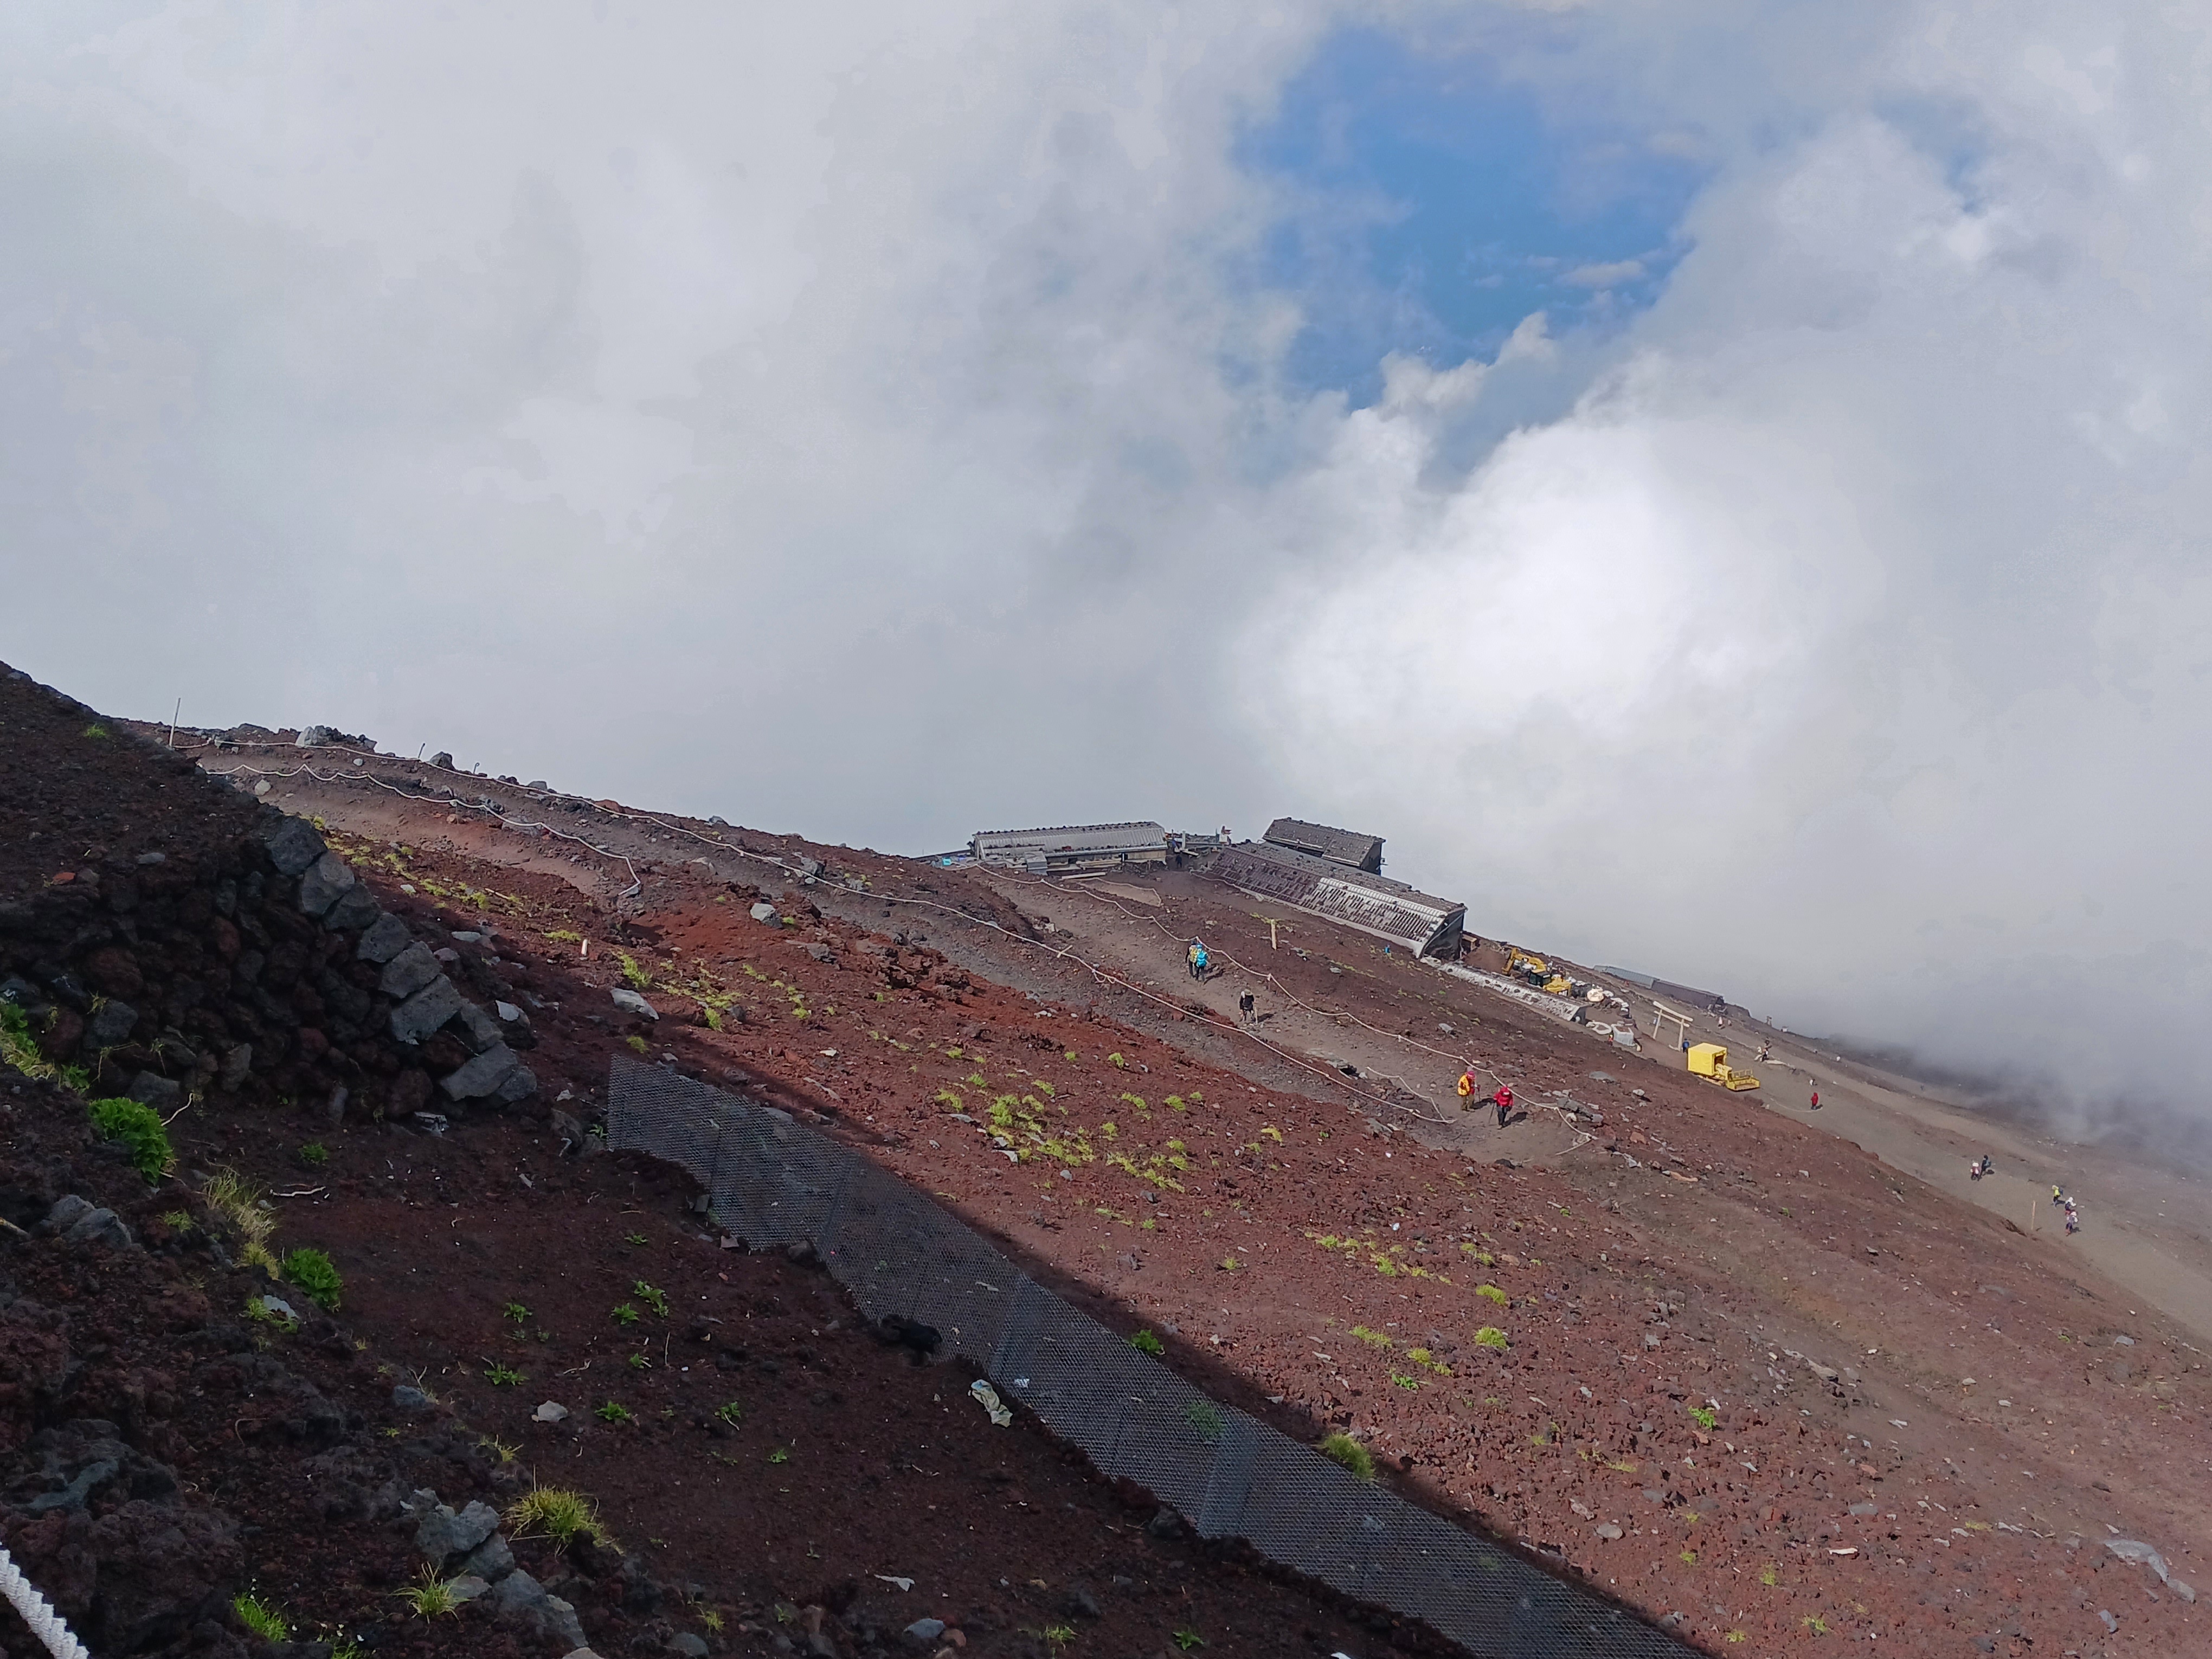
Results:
614 1412
712 1620
639 1362
1491 1337
731 1413
139 1130
1769 1577
313 1272
637 1043
632 976
1342 1449
261 1617
1146 1342
779 1455
1813 1622
178 1221
653 1297
1204 1419
633 1238
238 1202
502 1377
258 1310
1057 1635
1493 1293
1704 1416
1187 1639
98 734
1372 1338
1401 1380
315 1155
557 1513
499 1449
562 936
517 1312
626 1315
430 1596
1117 1062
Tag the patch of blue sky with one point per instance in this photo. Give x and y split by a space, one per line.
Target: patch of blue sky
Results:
1431 203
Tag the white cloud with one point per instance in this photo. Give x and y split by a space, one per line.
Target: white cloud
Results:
1844 647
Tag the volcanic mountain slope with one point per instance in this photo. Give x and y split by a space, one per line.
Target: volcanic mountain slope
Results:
1922 1423
1751 1379
178 1450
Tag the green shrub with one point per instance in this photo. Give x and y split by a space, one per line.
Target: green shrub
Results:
1493 1293
314 1154
1491 1337
313 1272
1342 1449
1704 1416
1146 1342
139 1129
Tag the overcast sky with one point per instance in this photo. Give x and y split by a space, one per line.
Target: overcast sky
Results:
1721 486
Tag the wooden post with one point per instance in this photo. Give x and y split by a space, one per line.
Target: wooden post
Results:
1271 933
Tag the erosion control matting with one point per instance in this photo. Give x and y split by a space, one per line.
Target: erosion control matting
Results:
775 1183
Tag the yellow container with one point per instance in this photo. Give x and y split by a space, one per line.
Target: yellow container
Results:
1709 1059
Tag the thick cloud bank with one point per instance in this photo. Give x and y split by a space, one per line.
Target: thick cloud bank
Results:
882 424
1846 645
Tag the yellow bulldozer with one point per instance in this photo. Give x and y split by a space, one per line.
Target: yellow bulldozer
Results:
1709 1060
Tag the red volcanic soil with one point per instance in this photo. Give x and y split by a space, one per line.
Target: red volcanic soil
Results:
1753 1382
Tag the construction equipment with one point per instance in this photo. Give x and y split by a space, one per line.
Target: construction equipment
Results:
1709 1060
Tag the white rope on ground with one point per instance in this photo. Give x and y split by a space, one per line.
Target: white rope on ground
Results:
45 1623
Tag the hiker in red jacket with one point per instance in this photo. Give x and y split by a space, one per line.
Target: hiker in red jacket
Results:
1816 1100
1503 1101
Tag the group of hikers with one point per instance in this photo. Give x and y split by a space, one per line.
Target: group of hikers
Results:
1468 1088
2065 1199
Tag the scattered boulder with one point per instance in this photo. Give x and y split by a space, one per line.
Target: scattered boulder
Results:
98 1227
112 1023
477 1028
355 909
763 912
426 1010
443 1533
922 1632
386 938
151 1089
631 1003
408 972
491 1560
518 1598
482 1075
323 880
411 1400
291 844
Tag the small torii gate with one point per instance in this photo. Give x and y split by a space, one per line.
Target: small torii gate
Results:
1663 1016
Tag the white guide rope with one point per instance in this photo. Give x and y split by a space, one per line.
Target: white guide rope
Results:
45 1623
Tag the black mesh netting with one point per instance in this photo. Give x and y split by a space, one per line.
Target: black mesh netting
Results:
774 1182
